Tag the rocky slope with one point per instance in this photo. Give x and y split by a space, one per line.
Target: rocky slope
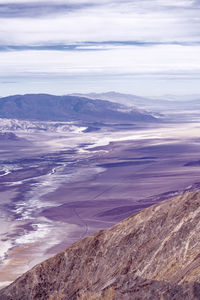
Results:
154 254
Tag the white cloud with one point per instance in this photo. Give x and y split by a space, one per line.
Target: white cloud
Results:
178 3
156 2
121 60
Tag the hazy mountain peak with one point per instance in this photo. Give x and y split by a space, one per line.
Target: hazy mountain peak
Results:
165 104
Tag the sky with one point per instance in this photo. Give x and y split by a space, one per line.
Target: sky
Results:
143 47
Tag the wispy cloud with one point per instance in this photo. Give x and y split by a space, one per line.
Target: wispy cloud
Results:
37 10
24 22
121 60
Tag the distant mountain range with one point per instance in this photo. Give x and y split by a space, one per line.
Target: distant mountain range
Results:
168 103
153 254
45 107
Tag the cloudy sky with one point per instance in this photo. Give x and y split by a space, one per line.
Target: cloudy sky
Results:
144 47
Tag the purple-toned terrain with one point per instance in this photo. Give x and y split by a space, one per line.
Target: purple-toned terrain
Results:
60 182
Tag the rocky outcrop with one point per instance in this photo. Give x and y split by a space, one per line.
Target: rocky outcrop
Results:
154 254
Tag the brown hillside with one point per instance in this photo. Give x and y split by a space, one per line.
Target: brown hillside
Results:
154 254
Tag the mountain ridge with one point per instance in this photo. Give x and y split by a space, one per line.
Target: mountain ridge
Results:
156 104
153 254
46 107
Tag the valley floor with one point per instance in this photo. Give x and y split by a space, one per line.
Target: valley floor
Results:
58 187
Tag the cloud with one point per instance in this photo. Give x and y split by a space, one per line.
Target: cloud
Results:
45 23
36 10
99 39
99 25
119 61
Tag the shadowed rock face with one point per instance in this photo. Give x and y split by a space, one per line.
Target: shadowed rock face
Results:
154 254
